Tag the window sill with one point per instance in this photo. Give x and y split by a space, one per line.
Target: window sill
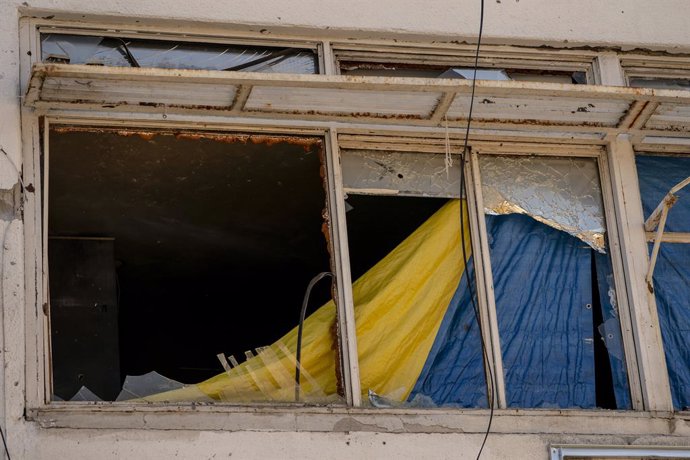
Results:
341 419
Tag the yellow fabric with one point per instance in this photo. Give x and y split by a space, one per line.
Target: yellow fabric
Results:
399 306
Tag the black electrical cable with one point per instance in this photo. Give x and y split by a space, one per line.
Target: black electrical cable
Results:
130 57
4 443
463 186
303 313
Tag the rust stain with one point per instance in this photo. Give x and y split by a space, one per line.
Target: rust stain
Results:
307 142
534 122
382 116
326 230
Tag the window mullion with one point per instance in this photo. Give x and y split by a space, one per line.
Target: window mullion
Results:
609 71
347 332
645 320
624 311
485 292
327 59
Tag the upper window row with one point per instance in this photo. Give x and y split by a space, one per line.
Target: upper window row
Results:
141 52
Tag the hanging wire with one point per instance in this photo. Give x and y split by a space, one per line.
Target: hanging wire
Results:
463 186
303 313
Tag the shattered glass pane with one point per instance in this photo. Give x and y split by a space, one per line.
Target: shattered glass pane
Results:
400 173
563 193
134 52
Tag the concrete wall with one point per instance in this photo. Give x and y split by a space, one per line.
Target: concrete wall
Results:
624 24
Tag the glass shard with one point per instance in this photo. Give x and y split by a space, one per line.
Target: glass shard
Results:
563 193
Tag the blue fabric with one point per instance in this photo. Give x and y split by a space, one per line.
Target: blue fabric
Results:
657 174
453 374
610 330
543 284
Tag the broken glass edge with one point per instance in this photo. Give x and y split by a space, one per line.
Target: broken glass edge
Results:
581 216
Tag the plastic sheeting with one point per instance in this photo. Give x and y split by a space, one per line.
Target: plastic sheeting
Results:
399 307
130 52
563 193
453 374
657 174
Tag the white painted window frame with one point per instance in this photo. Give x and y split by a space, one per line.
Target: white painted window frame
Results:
654 391
488 303
566 452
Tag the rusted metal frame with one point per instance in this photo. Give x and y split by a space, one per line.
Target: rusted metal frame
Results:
441 109
658 219
347 332
324 118
534 148
663 144
241 96
285 125
131 30
36 353
651 360
623 306
458 55
666 203
632 114
670 237
644 116
657 246
496 88
596 135
485 285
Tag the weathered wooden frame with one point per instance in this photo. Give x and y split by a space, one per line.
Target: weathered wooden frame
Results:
627 132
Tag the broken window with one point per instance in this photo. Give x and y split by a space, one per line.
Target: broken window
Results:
556 304
182 257
139 52
464 73
658 175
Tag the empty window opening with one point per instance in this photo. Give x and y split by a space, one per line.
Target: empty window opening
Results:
409 295
167 249
138 52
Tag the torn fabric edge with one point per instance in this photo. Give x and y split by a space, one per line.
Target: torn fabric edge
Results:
563 193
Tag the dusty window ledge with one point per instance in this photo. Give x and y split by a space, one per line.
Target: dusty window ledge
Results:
341 419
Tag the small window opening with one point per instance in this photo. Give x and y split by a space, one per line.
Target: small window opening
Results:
436 71
660 83
168 249
139 52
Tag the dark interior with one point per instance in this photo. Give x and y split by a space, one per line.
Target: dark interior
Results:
215 239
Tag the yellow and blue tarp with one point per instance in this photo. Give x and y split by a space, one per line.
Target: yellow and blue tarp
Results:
418 337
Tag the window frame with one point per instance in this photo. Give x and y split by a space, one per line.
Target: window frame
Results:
488 305
655 393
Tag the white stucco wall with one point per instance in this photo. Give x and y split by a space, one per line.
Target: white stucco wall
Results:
625 24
